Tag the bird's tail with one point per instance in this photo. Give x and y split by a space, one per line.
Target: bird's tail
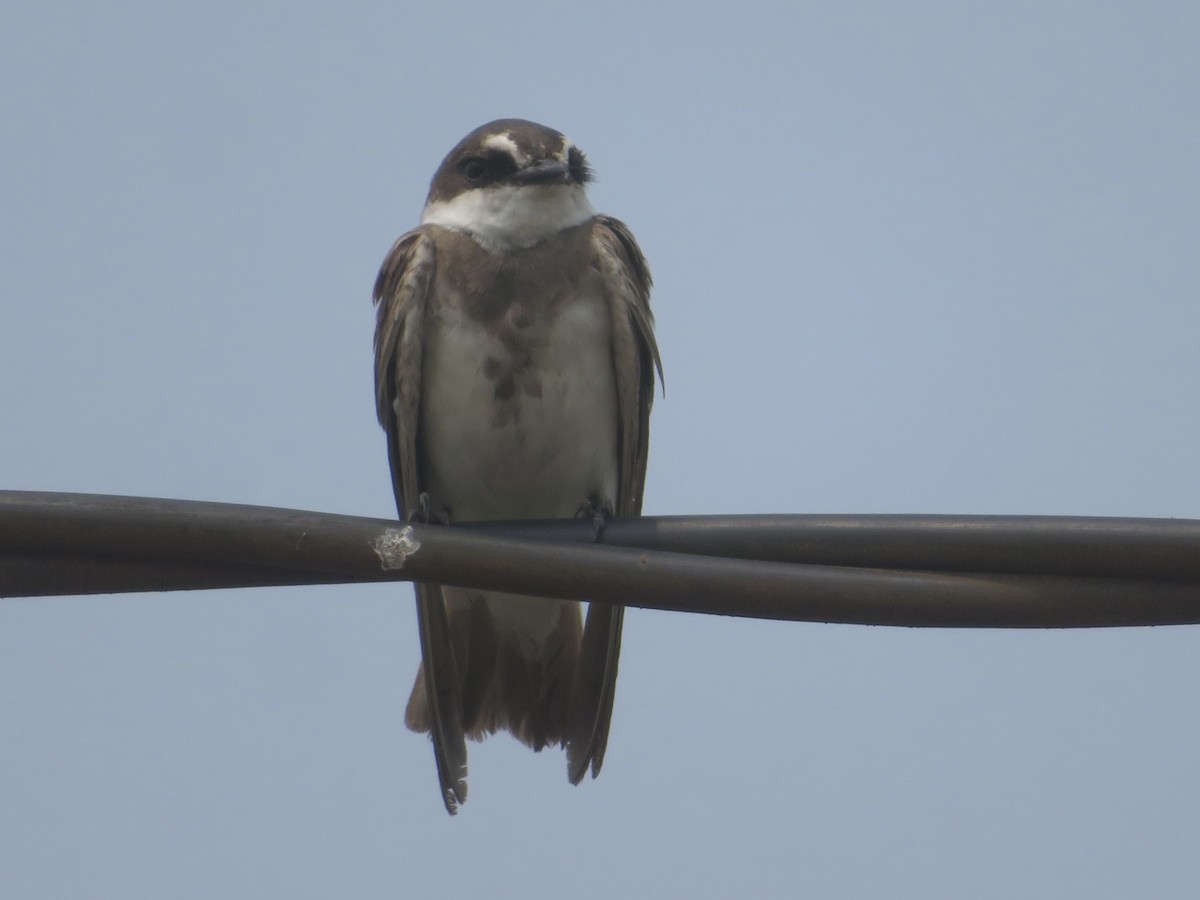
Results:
507 684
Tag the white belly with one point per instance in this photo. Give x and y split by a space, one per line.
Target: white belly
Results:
539 452
536 447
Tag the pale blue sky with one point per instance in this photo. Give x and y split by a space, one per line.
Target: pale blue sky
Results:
909 258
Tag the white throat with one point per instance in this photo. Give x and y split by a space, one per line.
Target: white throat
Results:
512 217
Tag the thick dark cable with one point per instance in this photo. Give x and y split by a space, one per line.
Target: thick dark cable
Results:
905 570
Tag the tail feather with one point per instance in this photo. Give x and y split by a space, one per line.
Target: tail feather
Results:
594 690
504 685
441 696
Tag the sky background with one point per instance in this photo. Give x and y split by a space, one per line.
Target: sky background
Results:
925 258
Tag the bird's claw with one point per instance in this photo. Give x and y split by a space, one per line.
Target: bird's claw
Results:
423 514
599 513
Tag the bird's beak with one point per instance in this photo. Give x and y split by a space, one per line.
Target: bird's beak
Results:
549 171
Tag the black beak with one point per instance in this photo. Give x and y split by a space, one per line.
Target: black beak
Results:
546 172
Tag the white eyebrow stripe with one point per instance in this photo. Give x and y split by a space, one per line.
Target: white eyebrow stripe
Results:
567 146
505 143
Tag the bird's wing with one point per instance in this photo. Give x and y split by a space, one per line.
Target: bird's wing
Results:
402 292
626 278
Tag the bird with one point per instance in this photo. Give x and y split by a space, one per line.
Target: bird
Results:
515 367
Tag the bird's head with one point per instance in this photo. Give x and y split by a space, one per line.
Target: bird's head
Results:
510 184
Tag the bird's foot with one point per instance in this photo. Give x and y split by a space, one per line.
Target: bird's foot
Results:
599 513
423 514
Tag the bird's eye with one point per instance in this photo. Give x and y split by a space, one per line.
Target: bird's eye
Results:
473 168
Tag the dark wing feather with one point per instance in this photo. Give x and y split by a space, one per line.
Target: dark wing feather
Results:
626 277
401 294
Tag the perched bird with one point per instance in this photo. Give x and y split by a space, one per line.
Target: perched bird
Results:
515 366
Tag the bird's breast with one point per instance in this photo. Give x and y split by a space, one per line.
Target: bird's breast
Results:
518 407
